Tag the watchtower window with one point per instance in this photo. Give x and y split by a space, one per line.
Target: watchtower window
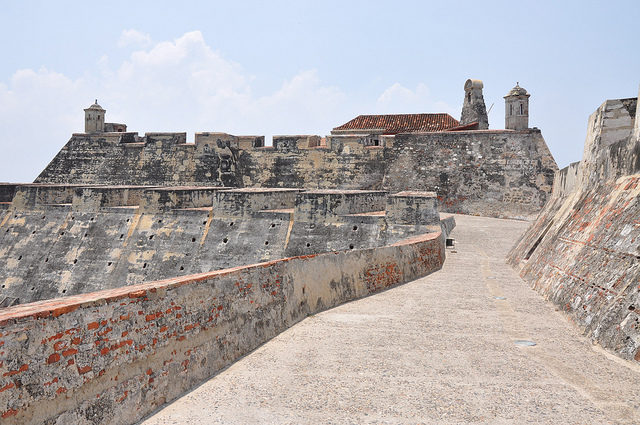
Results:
510 109
469 96
521 109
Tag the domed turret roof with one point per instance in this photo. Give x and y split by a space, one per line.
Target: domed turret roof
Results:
517 91
96 106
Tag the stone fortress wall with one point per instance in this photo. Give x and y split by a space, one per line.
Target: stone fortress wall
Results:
504 173
58 240
500 173
583 252
136 267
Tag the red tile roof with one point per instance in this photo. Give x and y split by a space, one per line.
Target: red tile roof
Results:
401 123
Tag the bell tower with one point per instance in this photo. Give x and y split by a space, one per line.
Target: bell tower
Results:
516 109
94 118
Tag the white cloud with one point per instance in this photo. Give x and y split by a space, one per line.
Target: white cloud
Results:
179 85
134 38
399 99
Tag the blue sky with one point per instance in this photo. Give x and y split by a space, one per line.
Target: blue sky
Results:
301 67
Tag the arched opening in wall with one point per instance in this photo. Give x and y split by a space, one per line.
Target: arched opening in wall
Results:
521 109
535 245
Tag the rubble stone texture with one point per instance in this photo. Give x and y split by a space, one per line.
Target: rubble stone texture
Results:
583 252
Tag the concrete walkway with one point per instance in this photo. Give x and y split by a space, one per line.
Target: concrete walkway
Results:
442 349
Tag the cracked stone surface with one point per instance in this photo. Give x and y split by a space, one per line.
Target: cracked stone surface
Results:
441 349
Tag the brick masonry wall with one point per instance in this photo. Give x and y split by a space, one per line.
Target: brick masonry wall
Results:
115 355
583 251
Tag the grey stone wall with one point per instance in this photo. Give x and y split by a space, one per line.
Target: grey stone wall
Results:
59 241
582 252
494 173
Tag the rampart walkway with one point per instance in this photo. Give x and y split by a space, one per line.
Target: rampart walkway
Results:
442 349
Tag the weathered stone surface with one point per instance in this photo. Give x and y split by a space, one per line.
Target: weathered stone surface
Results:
496 173
582 252
492 173
114 356
473 107
63 240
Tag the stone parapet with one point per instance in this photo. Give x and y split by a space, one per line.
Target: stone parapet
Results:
113 356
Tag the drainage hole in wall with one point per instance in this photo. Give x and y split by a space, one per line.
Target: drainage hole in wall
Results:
181 268
61 233
33 288
632 307
15 216
20 258
109 263
73 217
3 286
33 233
304 289
273 225
44 216
91 219
231 224
351 246
75 261
86 234
308 244
160 221
266 242
7 231
355 228
64 291
144 266
121 235
193 239
127 220
46 260
150 237
225 240
204 222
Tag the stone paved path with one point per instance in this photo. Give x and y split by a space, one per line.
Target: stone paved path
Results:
441 349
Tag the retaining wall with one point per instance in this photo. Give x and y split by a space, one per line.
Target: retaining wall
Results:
583 251
110 357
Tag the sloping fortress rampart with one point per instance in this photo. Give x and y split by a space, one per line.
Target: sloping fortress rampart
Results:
583 252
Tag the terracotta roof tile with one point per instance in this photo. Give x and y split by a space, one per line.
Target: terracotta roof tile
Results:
401 123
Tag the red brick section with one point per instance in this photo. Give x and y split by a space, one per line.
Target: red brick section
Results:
401 123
